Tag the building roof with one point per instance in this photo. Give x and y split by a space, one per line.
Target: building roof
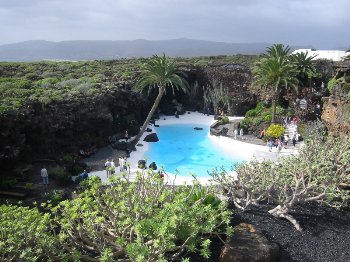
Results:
334 55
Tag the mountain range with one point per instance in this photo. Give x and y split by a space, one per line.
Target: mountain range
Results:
36 50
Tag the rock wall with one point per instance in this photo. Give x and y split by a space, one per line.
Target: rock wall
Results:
237 78
48 131
336 114
336 107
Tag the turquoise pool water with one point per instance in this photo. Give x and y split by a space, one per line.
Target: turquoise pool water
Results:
186 150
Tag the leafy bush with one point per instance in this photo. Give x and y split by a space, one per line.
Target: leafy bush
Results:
251 112
8 183
333 82
60 175
54 197
346 86
26 235
224 120
268 118
275 130
144 220
28 186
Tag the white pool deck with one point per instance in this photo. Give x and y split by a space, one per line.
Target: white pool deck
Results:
229 146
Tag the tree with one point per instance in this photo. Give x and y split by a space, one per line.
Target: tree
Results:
159 72
314 175
303 66
274 71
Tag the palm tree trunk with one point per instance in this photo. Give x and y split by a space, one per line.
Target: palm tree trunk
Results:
150 114
273 105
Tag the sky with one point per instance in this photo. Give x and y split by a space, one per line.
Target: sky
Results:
325 24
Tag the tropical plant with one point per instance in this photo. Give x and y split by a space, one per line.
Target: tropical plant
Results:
274 71
217 95
303 66
159 72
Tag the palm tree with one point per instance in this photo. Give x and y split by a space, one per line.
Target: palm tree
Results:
274 71
303 66
159 72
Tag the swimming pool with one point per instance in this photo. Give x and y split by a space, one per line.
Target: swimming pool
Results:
183 149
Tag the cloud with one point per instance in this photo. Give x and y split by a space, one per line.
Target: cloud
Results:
318 22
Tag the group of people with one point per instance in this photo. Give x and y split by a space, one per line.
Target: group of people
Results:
235 132
110 165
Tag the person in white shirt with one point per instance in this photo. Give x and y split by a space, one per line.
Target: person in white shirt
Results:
107 166
45 176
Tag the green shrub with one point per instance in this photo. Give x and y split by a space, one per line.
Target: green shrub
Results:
149 221
26 235
275 130
251 113
346 86
54 197
8 183
245 124
28 186
333 82
60 175
268 118
224 120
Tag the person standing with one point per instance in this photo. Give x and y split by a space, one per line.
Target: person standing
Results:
235 133
241 132
294 140
112 167
270 145
126 136
107 167
45 176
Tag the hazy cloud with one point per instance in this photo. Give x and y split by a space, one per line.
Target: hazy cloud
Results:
324 24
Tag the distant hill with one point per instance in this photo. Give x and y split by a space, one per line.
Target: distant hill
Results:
37 50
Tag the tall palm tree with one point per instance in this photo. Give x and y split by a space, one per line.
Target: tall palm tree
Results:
274 71
303 66
159 72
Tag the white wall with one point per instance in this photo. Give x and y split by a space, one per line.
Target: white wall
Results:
334 55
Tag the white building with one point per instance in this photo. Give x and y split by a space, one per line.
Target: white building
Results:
334 55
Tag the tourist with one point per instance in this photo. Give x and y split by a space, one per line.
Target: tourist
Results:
125 164
286 121
112 167
82 177
279 145
153 166
294 120
161 174
120 161
107 166
121 164
270 144
45 176
241 132
126 136
262 133
294 140
235 133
